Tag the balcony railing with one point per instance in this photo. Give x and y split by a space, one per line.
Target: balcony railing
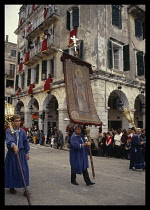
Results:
52 45
54 9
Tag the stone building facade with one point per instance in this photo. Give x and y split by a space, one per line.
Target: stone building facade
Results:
110 37
10 66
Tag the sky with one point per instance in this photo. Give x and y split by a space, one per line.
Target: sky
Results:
11 21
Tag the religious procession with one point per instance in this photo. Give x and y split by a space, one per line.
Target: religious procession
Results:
78 95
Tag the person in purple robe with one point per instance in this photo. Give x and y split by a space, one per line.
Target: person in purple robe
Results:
79 156
17 143
136 159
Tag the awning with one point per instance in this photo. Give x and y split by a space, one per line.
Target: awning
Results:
47 84
72 33
30 92
34 116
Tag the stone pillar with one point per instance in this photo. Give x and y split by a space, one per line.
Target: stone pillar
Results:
62 124
28 119
40 120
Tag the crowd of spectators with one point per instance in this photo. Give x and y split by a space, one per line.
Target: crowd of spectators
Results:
114 143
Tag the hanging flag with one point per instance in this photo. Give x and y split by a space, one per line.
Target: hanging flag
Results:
79 97
18 91
30 91
47 84
27 57
72 33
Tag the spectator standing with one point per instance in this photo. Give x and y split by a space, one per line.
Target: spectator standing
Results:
124 139
117 140
136 159
109 144
60 139
42 137
127 149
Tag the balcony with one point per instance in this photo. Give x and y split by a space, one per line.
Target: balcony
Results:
53 14
35 53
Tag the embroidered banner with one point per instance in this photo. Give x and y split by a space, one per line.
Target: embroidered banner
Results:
79 97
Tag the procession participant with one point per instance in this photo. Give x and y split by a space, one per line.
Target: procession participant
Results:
79 156
136 159
19 144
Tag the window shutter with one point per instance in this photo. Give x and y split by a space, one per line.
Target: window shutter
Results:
126 58
81 50
68 20
18 57
17 79
22 85
29 77
110 56
52 67
138 27
75 17
143 25
140 63
116 15
37 74
66 51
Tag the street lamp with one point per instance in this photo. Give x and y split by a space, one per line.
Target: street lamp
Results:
120 104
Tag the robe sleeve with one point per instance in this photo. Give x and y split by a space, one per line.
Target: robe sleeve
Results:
9 139
75 143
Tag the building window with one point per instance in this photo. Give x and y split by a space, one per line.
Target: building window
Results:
13 53
22 80
16 82
73 18
140 63
118 56
139 28
29 77
9 83
12 70
36 80
116 16
44 70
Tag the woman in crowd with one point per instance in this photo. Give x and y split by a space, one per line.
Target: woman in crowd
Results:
117 140
109 144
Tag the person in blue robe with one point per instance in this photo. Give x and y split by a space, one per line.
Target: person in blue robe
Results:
79 156
136 159
17 143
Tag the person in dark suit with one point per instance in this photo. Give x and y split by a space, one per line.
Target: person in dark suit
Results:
79 156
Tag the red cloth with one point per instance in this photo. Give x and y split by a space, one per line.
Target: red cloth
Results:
27 57
44 45
108 138
33 7
45 13
18 91
30 92
29 28
72 33
24 129
20 67
47 84
20 21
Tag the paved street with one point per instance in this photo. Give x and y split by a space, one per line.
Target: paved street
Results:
50 183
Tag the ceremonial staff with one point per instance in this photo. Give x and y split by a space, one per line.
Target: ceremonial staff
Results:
87 131
28 197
